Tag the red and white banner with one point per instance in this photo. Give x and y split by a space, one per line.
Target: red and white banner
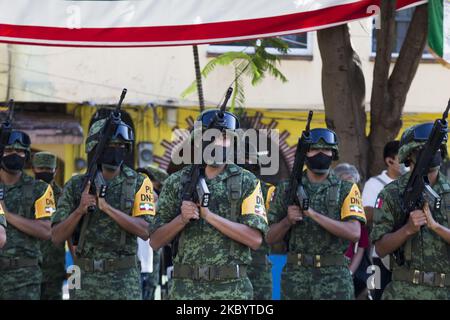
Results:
134 23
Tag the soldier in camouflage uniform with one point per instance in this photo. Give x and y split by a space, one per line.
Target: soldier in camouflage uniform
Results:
260 269
423 271
28 206
214 243
318 237
53 257
150 280
107 245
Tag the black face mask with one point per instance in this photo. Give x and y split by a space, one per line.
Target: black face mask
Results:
13 162
45 176
113 157
319 164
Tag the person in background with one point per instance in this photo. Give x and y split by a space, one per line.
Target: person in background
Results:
356 252
260 269
53 256
370 193
151 260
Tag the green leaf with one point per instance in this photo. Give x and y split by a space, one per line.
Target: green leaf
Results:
255 66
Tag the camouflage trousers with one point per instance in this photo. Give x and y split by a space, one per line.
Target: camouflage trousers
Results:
113 285
21 284
308 283
401 290
261 278
51 287
53 271
187 289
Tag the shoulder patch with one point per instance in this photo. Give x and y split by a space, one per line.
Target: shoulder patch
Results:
352 206
144 202
45 205
254 203
379 202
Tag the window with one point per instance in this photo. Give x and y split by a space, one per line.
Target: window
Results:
299 45
402 20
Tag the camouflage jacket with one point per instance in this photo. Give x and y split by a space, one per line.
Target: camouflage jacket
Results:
429 252
334 198
103 234
268 192
199 242
57 191
38 204
53 258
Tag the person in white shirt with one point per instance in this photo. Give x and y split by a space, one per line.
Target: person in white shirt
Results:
145 256
370 192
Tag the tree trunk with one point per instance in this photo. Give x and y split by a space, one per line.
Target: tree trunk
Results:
389 92
343 90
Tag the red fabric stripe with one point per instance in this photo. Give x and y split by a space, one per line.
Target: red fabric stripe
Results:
201 32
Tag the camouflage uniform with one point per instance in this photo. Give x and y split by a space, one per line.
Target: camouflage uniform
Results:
260 270
426 255
338 200
53 263
152 280
202 247
105 241
429 252
31 199
53 257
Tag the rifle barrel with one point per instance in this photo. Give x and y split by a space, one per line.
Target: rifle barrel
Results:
225 101
445 115
122 96
308 123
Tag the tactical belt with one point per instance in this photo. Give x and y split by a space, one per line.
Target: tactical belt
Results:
209 273
317 261
105 265
433 279
7 264
260 259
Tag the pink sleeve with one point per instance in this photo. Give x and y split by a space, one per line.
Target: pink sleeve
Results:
364 239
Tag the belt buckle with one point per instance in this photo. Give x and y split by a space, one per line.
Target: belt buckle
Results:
416 277
203 273
99 265
308 260
428 278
